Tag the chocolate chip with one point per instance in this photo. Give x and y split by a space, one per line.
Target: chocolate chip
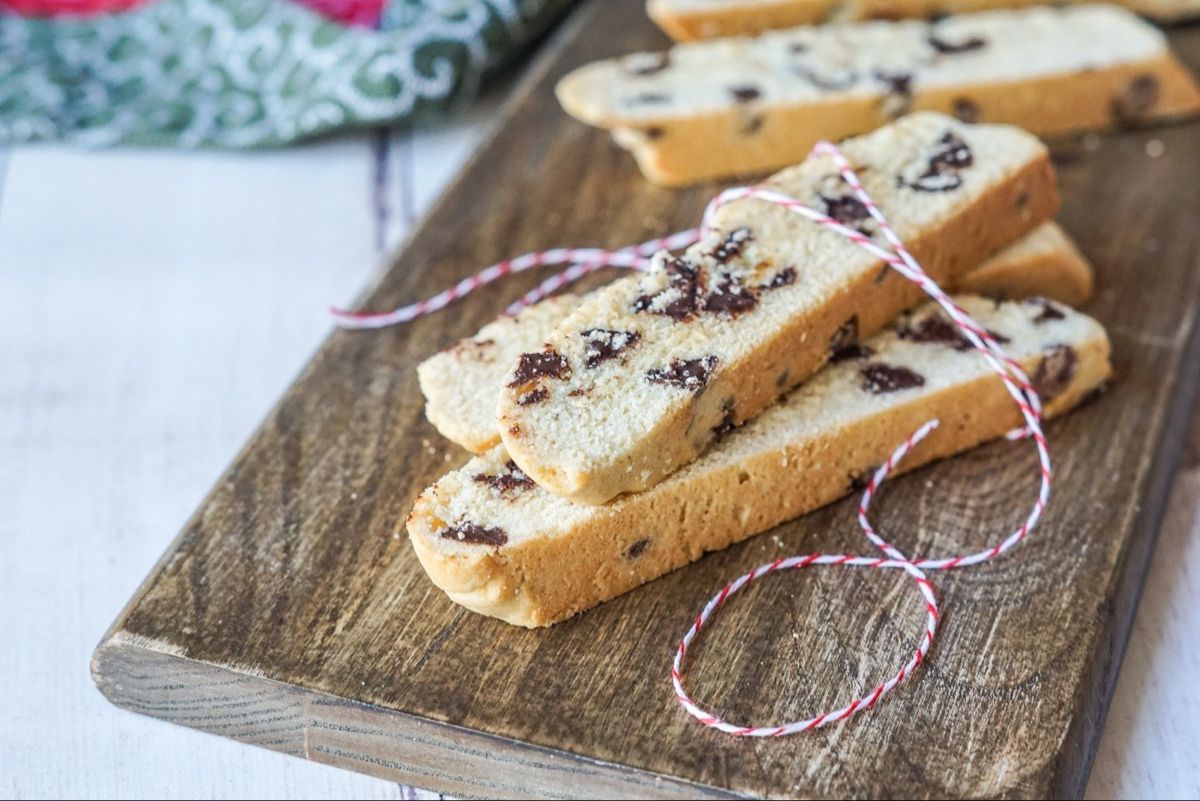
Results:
879 379
845 337
727 423
933 328
730 298
937 328
745 93
850 352
1131 105
682 299
549 363
1048 311
829 83
846 209
785 277
637 549
1054 372
966 110
643 64
899 92
533 396
508 483
654 132
733 245
475 535
603 344
942 174
950 48
690 374
781 380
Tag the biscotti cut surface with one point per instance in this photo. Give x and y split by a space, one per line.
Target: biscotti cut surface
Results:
462 382
687 20
643 375
735 106
497 543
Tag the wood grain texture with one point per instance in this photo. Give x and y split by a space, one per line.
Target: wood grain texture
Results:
293 572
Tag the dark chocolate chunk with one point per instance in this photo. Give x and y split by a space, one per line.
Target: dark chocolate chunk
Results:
1048 311
937 328
899 92
602 344
637 549
727 423
682 299
745 93
549 363
1132 104
855 351
847 209
689 374
536 395
654 132
845 337
730 298
950 48
942 174
1054 372
785 277
475 534
879 379
966 110
830 83
643 64
733 245
508 483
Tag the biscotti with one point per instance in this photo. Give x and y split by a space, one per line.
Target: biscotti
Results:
462 382
688 20
738 106
498 544
637 381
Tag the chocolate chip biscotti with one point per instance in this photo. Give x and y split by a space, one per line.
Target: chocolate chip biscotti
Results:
637 380
462 382
737 106
688 20
500 545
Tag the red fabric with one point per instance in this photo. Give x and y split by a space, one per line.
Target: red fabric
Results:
63 8
365 13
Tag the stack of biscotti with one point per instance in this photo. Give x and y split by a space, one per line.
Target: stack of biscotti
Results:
608 395
736 106
502 546
688 20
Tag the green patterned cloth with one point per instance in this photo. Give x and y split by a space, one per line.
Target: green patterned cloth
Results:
247 73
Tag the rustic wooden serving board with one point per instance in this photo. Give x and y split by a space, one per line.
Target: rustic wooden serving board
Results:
290 613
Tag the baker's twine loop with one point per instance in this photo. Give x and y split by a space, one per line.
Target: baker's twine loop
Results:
638 257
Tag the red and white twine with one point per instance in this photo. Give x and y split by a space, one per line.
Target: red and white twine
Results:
898 257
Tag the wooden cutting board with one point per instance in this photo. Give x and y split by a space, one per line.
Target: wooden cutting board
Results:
292 614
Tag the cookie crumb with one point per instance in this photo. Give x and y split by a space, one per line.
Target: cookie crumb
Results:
1091 142
1155 148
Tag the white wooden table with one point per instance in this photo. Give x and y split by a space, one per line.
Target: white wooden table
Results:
153 306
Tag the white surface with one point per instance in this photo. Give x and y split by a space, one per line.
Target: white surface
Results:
154 305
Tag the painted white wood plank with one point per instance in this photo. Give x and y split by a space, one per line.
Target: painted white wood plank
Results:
154 306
